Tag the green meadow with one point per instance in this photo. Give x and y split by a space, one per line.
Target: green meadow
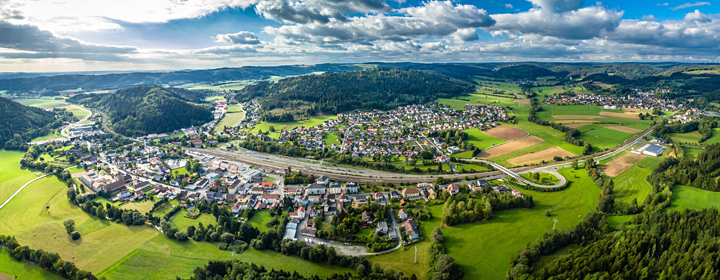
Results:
10 268
495 241
232 117
631 184
481 140
265 126
691 198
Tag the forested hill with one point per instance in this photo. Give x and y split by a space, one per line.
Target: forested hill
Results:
698 172
122 80
378 88
141 110
673 245
27 122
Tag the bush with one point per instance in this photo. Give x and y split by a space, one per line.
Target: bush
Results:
75 235
181 235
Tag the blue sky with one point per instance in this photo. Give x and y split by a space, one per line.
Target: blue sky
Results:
83 35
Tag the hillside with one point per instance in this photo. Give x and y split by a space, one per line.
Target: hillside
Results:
122 80
28 122
141 110
378 88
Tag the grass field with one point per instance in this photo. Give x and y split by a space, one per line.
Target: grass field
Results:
631 184
54 134
548 179
142 207
12 175
183 223
692 152
495 241
40 103
465 154
260 219
77 112
690 198
481 140
604 138
10 267
265 126
232 117
692 138
331 138
162 258
102 244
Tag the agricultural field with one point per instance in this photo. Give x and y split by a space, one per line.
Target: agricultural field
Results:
692 152
546 155
142 207
481 139
229 85
510 147
506 132
10 268
631 184
618 165
232 117
79 113
265 126
604 138
40 103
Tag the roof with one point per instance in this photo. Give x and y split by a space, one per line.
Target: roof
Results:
410 191
655 149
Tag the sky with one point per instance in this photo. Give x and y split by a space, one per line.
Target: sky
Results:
102 35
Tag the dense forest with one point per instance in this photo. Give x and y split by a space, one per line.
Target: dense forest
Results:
698 172
25 122
378 88
673 245
141 110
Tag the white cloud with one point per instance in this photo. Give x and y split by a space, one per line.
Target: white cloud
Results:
690 5
319 11
431 19
465 35
584 23
648 18
508 5
557 5
242 37
87 15
697 16
663 4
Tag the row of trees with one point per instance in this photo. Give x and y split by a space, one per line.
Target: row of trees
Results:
698 172
590 229
606 185
442 265
466 208
46 260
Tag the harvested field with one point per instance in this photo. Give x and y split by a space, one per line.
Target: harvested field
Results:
620 115
558 88
576 124
510 147
537 157
574 117
506 132
619 165
623 129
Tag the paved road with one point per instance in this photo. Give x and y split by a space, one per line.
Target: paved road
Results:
65 132
524 181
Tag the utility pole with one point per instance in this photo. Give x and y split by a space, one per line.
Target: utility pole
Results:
555 220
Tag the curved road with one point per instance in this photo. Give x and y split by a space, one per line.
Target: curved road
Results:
26 184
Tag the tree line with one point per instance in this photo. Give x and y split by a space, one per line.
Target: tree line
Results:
49 261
